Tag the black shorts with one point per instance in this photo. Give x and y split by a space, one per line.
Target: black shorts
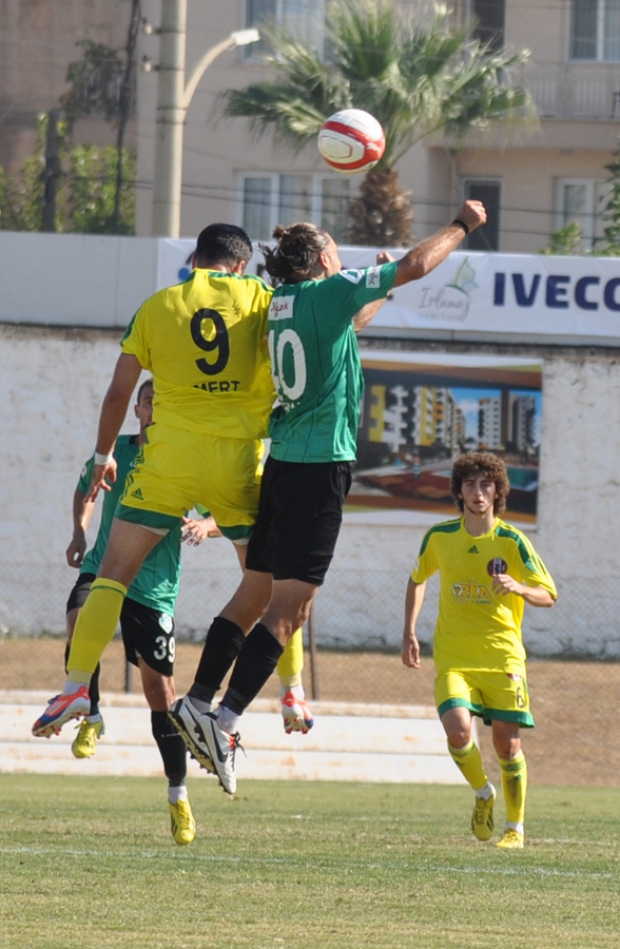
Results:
299 518
146 632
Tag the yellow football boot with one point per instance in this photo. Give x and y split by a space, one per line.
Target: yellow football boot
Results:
85 743
182 823
482 818
511 840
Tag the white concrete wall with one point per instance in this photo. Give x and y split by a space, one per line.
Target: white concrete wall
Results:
51 385
75 279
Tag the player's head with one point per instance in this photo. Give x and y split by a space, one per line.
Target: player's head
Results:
485 463
225 245
303 252
143 408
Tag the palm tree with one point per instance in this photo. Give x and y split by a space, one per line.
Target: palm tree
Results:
417 79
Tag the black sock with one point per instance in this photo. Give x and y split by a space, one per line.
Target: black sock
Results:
93 688
258 658
221 648
171 748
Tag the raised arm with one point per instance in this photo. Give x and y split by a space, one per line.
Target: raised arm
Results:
113 412
413 604
420 260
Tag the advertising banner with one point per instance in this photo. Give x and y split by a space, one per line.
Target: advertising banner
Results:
420 411
521 297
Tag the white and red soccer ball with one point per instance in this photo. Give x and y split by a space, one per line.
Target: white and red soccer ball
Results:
351 141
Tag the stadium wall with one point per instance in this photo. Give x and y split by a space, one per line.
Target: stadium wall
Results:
52 382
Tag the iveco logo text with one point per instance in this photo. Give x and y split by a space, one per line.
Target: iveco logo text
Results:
588 293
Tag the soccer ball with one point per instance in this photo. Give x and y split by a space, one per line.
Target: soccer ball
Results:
351 141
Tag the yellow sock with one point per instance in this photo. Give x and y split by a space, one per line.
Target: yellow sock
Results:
96 625
469 761
514 786
291 662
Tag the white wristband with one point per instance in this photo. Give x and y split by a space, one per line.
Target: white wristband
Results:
103 459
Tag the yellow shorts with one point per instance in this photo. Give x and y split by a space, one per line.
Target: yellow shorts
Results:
500 696
176 469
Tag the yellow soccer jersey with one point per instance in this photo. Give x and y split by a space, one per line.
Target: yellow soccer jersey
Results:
477 628
205 343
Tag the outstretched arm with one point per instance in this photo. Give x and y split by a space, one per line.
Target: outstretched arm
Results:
113 412
420 260
413 604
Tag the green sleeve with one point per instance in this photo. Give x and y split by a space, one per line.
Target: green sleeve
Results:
350 290
86 475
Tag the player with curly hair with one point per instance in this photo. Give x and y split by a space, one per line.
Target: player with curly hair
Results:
488 571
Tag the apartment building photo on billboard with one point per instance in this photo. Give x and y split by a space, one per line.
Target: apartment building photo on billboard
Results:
420 411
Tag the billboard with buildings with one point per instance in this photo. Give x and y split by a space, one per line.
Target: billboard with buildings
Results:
420 411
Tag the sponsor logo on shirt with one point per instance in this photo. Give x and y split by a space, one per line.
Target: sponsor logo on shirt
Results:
281 308
472 592
373 277
353 276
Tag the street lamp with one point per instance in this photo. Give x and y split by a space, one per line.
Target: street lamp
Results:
173 99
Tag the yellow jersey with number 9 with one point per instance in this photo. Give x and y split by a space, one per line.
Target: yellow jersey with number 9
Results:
205 343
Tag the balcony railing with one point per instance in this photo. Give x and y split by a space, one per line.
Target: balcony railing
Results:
575 90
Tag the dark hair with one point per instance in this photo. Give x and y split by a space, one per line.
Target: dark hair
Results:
481 462
143 386
223 244
296 255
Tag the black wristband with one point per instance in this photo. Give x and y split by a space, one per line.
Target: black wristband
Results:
462 224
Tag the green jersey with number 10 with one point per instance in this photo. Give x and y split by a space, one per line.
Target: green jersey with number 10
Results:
316 365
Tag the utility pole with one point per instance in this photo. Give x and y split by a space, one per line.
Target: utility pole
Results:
51 172
173 99
169 121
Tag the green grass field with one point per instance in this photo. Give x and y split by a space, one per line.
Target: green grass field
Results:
90 863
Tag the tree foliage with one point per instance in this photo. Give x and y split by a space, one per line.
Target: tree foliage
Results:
416 77
86 190
95 82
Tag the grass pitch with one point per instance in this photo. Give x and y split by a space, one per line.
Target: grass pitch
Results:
89 863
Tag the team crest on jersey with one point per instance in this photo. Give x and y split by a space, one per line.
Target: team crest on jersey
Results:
496 566
165 622
373 277
281 308
353 276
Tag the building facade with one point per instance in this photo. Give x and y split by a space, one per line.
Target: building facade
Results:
534 177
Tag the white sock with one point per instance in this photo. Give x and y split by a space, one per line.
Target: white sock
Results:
177 794
296 690
70 688
227 720
514 825
200 705
94 718
486 792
